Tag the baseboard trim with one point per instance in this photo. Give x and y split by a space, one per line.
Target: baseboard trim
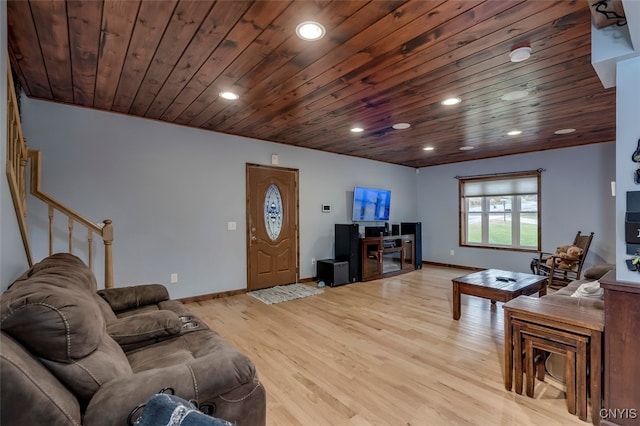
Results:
203 297
210 296
449 265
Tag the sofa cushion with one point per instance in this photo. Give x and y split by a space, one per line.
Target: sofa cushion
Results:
144 327
61 323
29 393
63 265
185 348
124 298
578 301
54 322
564 294
596 272
85 376
589 289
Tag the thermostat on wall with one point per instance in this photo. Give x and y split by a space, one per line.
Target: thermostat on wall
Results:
326 208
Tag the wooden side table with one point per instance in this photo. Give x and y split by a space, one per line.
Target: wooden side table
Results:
563 318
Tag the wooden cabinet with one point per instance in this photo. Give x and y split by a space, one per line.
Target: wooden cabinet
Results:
386 256
621 384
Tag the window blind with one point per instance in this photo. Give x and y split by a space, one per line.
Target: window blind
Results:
500 186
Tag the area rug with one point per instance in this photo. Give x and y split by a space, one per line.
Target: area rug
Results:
283 293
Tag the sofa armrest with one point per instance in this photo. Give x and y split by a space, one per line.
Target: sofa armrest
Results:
145 327
124 298
203 379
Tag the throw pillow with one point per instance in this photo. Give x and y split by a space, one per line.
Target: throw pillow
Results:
589 289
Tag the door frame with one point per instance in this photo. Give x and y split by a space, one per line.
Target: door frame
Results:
248 212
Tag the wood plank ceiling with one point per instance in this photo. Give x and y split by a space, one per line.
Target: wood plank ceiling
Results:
380 63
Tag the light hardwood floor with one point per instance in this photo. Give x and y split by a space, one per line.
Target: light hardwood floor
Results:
384 352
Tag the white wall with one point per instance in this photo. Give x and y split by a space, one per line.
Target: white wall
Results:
576 196
627 135
13 260
171 190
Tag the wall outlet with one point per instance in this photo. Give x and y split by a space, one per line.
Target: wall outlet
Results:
451 252
313 260
174 278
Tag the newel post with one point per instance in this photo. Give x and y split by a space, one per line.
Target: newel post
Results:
107 237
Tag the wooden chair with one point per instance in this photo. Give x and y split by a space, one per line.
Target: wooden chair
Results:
560 277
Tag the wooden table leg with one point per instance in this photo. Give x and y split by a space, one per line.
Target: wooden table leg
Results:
543 290
570 380
581 381
529 370
540 373
595 343
517 357
456 300
508 352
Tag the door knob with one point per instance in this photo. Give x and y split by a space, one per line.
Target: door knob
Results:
253 238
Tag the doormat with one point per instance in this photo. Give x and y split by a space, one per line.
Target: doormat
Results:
283 293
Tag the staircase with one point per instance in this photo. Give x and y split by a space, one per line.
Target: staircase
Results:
19 160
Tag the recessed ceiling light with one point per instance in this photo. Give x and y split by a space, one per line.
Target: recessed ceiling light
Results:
514 132
520 54
451 101
229 95
401 126
564 131
428 148
310 30
466 148
514 96
357 129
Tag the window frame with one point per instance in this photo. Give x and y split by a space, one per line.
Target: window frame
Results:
485 213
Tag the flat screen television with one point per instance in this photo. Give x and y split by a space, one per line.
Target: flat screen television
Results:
371 204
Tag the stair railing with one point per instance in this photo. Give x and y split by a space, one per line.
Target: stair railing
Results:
17 158
104 230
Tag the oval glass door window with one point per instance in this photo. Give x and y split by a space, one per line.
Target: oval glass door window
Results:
273 212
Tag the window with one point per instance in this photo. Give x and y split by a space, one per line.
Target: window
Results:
501 211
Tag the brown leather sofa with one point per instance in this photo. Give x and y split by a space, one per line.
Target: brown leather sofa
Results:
71 355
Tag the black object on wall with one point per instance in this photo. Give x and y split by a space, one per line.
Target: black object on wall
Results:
347 248
414 228
632 222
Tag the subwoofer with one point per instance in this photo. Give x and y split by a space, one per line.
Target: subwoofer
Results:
347 248
414 228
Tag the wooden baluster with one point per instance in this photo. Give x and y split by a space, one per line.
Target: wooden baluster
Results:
70 235
90 248
23 159
11 139
22 183
50 229
107 237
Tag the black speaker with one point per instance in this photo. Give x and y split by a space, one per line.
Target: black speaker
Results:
347 248
333 272
414 228
395 229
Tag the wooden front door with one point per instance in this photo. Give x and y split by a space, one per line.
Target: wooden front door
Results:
272 226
